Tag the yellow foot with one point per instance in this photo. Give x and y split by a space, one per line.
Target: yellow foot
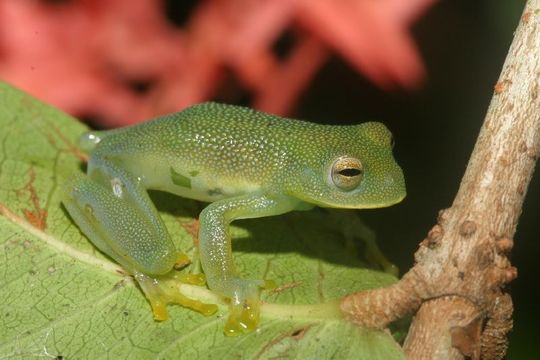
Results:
192 279
182 260
244 307
243 317
163 290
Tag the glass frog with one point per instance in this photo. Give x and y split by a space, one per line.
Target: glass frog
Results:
245 164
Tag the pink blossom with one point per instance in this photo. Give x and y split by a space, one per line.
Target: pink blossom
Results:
85 56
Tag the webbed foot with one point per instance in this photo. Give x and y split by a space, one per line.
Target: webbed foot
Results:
244 307
163 290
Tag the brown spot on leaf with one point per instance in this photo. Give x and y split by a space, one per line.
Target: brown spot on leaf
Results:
71 147
121 272
192 229
285 287
120 284
298 334
35 215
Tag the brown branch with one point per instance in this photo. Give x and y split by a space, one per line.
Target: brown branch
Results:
462 265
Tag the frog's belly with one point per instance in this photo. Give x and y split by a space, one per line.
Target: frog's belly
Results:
211 193
199 186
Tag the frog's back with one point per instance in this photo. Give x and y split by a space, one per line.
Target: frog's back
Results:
226 141
218 120
233 139
205 124
220 131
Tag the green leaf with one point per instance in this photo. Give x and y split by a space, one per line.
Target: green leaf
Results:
62 297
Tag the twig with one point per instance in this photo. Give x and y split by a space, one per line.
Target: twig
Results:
462 265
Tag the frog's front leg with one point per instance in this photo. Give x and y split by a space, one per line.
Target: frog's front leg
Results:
112 208
216 255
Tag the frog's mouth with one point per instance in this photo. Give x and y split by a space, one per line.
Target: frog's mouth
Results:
364 204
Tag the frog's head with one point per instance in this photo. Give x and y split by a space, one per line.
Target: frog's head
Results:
354 168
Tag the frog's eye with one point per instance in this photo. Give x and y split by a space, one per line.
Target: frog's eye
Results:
347 173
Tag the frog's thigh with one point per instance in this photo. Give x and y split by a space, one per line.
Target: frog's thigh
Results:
214 238
121 226
82 212
126 186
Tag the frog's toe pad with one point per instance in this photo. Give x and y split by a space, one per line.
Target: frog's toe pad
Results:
165 290
182 260
192 279
243 317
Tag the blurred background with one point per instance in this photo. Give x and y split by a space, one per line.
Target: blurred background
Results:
425 68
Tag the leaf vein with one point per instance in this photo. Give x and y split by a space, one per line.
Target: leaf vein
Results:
59 245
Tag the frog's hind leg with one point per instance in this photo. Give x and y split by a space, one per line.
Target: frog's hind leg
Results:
100 216
114 211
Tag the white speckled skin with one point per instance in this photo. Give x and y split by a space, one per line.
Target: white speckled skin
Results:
247 164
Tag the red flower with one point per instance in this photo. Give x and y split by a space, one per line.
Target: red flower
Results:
122 61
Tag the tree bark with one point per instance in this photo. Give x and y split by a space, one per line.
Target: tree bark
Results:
462 266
